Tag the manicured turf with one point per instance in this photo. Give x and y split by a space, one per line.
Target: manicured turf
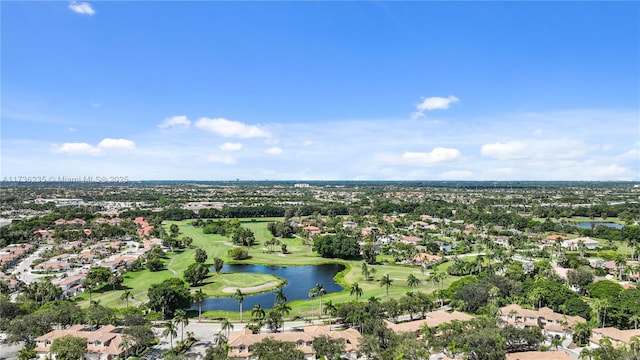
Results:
298 254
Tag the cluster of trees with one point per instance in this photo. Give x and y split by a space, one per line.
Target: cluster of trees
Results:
219 227
243 236
168 296
280 229
482 339
338 246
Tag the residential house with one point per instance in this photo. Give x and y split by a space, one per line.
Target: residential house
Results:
573 244
539 355
433 319
617 337
240 342
552 324
426 260
102 344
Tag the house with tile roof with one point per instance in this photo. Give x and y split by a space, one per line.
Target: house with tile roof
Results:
617 337
102 344
433 319
552 324
240 342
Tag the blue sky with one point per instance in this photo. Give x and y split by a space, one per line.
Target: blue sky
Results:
321 90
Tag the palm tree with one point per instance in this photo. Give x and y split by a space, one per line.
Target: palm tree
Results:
620 262
556 341
226 326
170 330
258 312
586 352
634 319
280 296
182 319
125 344
199 297
319 292
356 290
282 309
437 277
372 272
386 281
312 294
413 281
126 295
494 291
330 308
365 270
239 298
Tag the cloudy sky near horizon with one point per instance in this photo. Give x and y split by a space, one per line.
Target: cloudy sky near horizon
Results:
321 91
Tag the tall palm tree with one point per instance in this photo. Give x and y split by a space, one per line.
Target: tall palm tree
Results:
330 308
199 297
365 270
280 296
320 291
227 326
386 281
239 298
170 330
282 309
126 295
182 319
312 294
356 290
634 319
258 312
413 281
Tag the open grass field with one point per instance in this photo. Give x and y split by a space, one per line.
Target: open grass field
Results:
298 254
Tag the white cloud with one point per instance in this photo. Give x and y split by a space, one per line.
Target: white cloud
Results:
77 148
307 142
433 103
439 155
505 151
535 149
106 144
83 8
221 159
229 146
71 129
175 121
231 128
273 150
116 144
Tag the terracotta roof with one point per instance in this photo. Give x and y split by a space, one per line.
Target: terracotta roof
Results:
245 338
432 319
538 355
614 334
101 341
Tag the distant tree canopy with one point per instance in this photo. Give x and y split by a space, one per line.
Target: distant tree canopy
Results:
337 246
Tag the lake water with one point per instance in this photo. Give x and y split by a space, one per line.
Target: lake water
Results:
300 279
587 224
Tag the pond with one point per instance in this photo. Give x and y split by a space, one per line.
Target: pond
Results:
300 279
588 224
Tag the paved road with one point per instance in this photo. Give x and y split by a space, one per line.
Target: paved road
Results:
27 276
10 351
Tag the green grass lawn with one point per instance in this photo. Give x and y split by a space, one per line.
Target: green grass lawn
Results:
298 254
